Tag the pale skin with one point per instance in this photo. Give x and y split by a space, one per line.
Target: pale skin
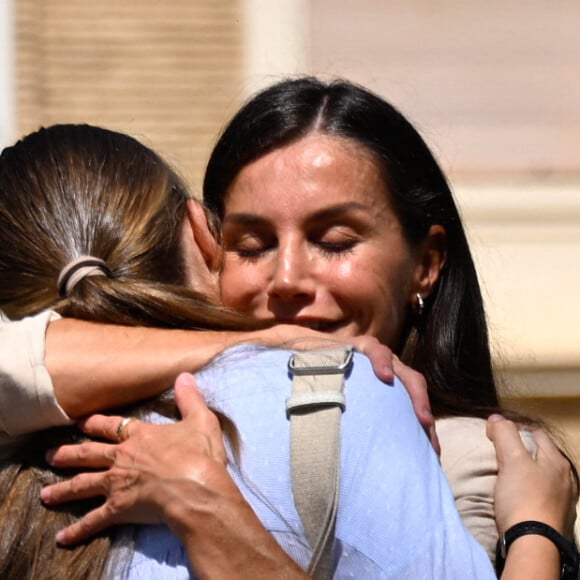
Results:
307 269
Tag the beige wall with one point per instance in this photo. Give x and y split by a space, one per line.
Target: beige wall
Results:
168 73
493 85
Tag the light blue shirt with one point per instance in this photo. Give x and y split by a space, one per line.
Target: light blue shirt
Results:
396 516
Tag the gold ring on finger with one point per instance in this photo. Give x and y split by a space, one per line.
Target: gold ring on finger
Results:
121 434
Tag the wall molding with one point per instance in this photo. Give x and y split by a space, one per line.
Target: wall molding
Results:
276 41
525 237
521 202
542 382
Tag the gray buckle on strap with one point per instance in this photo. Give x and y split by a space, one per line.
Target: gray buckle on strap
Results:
331 369
325 363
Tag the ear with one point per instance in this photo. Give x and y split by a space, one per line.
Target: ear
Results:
209 247
431 260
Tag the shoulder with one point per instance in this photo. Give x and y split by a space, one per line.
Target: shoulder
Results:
462 434
466 452
467 456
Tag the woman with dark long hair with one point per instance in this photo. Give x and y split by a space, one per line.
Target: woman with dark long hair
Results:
337 216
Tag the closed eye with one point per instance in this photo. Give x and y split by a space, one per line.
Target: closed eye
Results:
253 255
336 240
249 246
337 248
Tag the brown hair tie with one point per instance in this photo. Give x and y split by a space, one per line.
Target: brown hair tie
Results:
76 270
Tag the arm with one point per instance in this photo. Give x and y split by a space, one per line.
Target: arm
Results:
147 360
82 364
62 368
538 488
81 367
89 362
24 379
149 481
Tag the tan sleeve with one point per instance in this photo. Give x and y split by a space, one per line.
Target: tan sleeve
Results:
469 462
27 401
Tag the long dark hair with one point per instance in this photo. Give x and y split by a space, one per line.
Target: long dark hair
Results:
67 191
450 340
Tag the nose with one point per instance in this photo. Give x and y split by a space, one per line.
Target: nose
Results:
292 276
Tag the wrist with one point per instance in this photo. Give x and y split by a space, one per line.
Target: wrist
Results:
194 504
541 534
534 543
224 539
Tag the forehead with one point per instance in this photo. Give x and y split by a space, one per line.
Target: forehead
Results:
317 168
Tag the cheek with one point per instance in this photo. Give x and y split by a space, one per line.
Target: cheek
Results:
239 285
373 292
378 289
366 279
361 288
391 305
353 281
345 271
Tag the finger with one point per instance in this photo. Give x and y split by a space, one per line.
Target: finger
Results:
548 451
123 431
381 357
545 443
506 438
107 427
82 486
101 426
188 397
529 442
90 524
91 455
194 409
417 388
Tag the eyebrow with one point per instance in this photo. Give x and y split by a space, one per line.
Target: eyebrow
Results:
338 210
245 219
328 213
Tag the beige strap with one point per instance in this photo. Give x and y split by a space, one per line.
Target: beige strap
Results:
314 409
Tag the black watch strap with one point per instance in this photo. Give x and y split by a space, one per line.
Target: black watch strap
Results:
569 557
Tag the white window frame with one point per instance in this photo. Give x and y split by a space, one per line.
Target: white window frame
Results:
7 74
276 41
